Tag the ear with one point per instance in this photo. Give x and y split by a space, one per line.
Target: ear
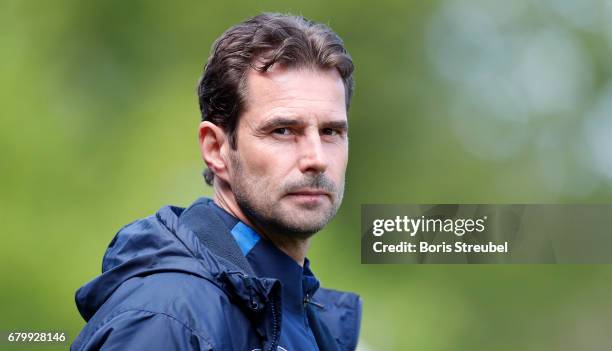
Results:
213 143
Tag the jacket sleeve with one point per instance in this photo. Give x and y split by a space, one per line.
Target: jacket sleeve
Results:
145 330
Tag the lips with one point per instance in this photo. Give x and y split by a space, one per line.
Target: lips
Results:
309 192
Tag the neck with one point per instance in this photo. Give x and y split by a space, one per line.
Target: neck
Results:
295 248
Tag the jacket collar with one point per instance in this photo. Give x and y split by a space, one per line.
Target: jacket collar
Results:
205 223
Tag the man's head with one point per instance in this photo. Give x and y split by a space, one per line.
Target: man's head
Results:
274 98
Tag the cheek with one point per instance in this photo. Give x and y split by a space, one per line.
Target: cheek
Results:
338 160
262 161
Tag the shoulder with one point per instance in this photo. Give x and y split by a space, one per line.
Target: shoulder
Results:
140 329
193 300
168 292
175 304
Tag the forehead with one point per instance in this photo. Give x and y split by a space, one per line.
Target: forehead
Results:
300 93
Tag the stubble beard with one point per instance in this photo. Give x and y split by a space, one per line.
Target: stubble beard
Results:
255 200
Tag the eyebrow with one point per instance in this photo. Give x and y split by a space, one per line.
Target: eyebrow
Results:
279 122
340 125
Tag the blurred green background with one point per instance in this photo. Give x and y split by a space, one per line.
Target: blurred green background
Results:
455 102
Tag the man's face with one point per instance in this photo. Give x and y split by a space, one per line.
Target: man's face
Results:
292 150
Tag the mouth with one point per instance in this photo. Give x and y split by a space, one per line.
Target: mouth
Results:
309 195
309 191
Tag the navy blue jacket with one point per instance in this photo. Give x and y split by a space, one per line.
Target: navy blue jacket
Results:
171 284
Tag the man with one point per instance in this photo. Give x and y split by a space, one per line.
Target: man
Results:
231 273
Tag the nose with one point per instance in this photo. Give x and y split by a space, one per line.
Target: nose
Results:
312 158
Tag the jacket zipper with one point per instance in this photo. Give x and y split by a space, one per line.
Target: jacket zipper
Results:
308 300
275 325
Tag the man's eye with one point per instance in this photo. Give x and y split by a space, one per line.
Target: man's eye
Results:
329 131
281 131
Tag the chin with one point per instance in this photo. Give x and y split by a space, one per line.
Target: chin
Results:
307 223
302 230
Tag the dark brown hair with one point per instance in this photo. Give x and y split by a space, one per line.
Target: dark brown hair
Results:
259 43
